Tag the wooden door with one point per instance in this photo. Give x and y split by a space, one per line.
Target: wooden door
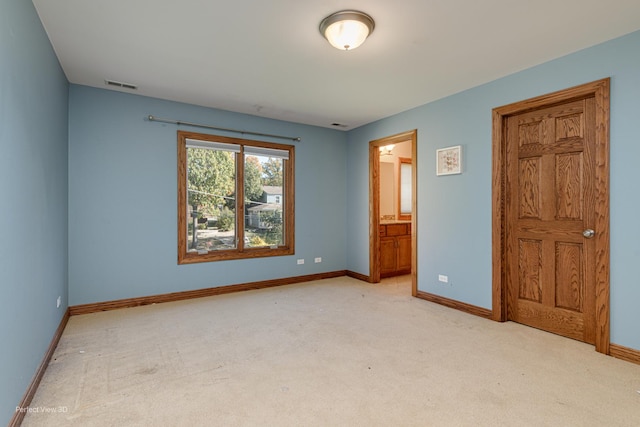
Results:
544 273
551 199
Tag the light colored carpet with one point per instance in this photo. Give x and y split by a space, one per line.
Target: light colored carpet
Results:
337 352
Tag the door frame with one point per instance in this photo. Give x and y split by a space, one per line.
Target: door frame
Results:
600 91
374 204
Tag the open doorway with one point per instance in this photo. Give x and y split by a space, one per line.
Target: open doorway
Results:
392 222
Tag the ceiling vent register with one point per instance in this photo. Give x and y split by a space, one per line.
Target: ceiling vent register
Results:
121 84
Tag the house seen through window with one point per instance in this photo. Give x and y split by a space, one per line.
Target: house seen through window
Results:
235 198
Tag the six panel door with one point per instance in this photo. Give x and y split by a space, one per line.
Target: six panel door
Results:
550 200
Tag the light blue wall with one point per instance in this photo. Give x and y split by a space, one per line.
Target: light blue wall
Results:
454 212
33 195
123 191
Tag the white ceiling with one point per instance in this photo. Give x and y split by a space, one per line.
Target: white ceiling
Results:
267 57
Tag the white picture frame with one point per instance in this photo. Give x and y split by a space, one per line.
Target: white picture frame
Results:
449 160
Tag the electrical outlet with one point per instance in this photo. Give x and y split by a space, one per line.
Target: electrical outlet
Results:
58 302
442 278
317 260
300 261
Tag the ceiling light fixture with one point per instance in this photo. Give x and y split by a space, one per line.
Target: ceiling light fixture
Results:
385 150
347 29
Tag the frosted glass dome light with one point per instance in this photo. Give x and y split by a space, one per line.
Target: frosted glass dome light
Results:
347 29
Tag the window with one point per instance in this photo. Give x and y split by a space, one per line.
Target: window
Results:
235 198
405 204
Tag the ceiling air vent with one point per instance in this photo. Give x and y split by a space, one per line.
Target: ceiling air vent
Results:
120 84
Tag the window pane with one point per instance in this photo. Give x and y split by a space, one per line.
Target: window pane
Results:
211 203
264 200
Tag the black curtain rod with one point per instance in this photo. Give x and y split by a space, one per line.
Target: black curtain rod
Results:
180 122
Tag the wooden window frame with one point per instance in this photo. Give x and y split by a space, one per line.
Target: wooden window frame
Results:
240 252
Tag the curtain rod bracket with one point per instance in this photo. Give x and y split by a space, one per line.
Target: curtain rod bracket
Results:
153 118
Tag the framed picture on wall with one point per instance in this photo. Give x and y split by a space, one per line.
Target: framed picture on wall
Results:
449 160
